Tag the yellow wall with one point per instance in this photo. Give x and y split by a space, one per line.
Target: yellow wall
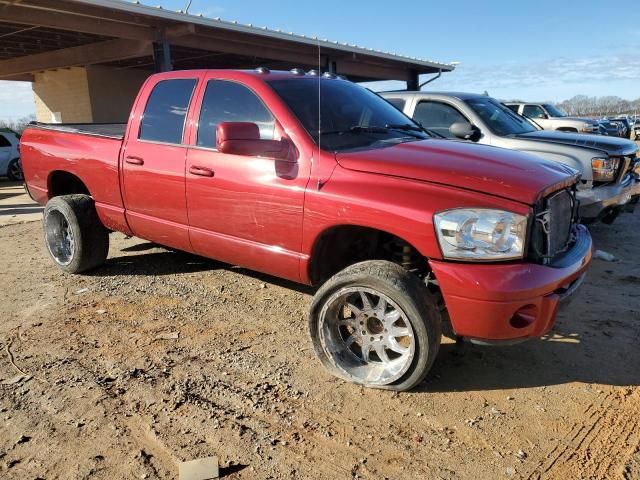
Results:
86 94
113 92
64 91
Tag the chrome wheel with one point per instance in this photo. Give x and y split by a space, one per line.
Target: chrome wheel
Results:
59 237
366 335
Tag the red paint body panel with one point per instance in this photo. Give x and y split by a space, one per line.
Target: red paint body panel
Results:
481 168
93 159
268 214
482 299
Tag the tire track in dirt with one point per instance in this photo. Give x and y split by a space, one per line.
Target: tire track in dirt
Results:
600 447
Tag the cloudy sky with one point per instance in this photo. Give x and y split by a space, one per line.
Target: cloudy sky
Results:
542 50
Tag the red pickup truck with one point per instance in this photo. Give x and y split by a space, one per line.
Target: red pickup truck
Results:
320 181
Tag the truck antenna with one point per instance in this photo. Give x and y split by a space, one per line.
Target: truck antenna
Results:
319 171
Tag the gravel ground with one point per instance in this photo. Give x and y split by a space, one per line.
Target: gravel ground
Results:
161 357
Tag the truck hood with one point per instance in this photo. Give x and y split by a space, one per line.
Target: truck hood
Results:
491 170
576 119
611 145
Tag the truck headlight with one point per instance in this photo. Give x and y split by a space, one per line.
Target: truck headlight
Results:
604 169
481 234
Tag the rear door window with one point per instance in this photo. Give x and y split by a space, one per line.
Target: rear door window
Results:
533 111
438 117
4 142
226 101
166 111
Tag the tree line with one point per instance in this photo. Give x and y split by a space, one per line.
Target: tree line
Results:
600 106
17 125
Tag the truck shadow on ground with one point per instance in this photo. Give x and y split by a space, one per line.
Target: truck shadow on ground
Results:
552 360
171 262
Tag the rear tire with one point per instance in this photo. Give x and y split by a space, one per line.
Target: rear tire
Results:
74 235
377 325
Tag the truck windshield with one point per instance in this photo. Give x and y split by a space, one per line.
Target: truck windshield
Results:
554 111
340 115
499 119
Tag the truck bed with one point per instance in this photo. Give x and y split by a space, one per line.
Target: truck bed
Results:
111 130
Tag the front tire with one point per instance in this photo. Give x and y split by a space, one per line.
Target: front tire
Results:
74 235
375 324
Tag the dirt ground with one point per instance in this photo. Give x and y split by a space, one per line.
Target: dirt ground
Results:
160 357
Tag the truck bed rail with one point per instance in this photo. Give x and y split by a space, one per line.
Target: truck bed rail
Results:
110 130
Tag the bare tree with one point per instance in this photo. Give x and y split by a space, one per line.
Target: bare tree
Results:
600 106
17 125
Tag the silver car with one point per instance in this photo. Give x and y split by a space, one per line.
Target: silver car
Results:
608 165
10 155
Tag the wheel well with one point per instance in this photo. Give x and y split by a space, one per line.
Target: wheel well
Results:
65 183
339 247
567 129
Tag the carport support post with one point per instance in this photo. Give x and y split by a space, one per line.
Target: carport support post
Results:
332 66
162 56
413 81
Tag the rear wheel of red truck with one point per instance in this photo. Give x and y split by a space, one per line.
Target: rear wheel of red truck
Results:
376 324
74 235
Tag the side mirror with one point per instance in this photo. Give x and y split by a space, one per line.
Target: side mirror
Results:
243 138
465 131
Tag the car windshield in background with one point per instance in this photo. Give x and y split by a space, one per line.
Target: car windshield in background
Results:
352 117
554 111
500 119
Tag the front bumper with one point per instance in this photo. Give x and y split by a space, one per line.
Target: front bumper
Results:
598 201
495 303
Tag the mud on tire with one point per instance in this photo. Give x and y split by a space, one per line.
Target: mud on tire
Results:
376 324
74 235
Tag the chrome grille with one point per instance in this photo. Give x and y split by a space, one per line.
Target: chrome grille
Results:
625 167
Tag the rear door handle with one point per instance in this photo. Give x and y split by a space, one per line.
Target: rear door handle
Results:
134 160
201 171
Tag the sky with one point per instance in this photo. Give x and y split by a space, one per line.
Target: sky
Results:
530 50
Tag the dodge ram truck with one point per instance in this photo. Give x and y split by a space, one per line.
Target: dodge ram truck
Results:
609 167
317 180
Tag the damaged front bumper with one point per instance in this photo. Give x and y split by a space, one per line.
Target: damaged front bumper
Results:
507 303
598 202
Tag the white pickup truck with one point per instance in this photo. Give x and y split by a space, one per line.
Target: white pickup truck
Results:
550 117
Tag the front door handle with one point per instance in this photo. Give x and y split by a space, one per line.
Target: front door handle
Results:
134 160
201 171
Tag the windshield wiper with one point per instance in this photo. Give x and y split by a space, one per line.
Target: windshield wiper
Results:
406 128
355 129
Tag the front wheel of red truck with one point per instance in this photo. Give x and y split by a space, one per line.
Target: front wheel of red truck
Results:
74 235
376 324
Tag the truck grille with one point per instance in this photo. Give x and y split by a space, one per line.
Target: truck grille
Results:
625 167
551 233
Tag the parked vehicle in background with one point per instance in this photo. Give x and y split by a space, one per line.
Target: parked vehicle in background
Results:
605 164
395 227
613 129
10 165
550 117
626 125
636 129
602 130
